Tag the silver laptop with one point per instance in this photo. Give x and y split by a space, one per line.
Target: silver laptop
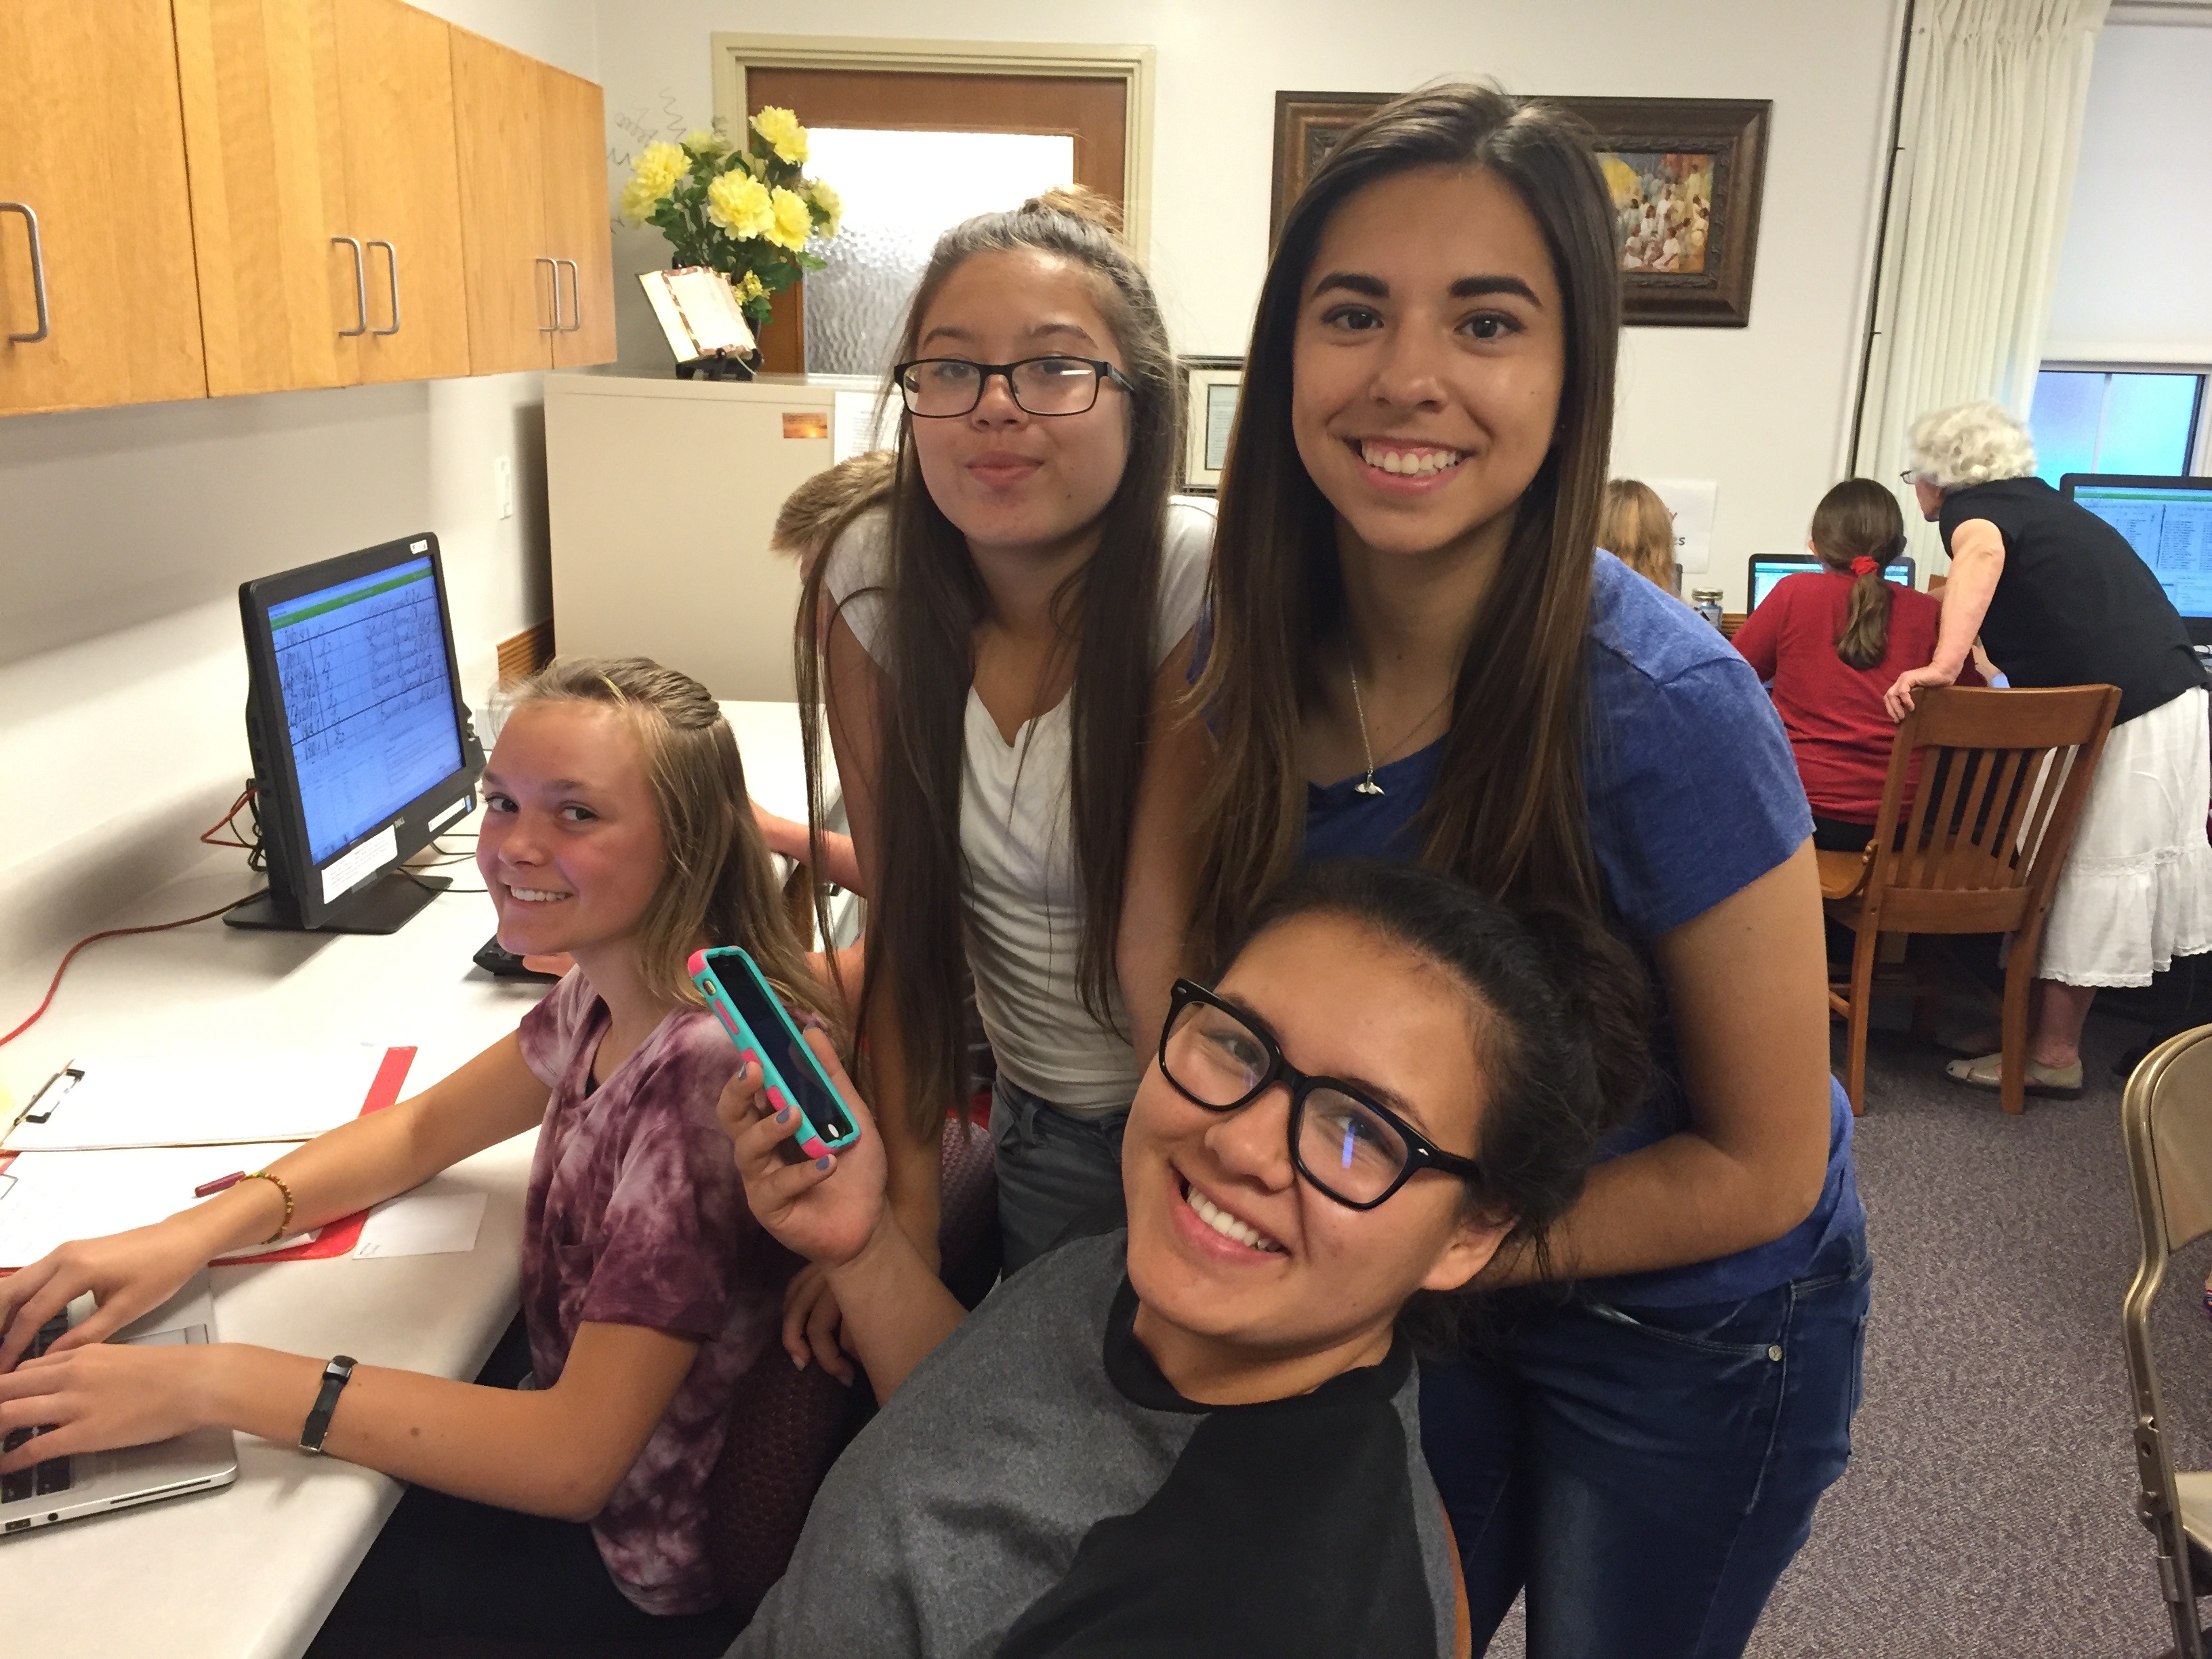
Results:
92 1483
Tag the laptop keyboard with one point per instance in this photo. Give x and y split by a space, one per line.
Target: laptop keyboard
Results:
41 1480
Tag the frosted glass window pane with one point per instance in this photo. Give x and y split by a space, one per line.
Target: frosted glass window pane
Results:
2064 422
901 191
2146 424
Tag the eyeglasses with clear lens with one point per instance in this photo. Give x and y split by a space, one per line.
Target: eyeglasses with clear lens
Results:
940 388
1352 1148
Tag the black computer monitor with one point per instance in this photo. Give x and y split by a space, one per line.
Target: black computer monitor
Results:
1768 568
362 748
2168 522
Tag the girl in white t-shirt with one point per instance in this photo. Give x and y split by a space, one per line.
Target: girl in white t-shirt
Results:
995 646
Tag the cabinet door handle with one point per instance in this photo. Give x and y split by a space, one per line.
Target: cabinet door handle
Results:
360 289
575 297
554 327
38 270
392 275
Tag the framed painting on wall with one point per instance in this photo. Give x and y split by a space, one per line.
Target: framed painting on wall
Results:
1685 176
1209 388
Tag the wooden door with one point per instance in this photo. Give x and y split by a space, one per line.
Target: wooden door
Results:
498 125
1091 110
92 141
577 224
280 295
403 187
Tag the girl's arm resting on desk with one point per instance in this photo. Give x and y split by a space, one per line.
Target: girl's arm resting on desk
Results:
1747 985
558 1451
833 1211
353 1166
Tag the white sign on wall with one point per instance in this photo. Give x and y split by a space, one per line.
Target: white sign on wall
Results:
1691 502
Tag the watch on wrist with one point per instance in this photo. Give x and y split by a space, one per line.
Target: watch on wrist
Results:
336 1375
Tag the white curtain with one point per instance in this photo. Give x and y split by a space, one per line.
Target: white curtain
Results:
1990 127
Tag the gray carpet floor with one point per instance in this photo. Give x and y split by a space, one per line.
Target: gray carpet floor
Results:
1989 1507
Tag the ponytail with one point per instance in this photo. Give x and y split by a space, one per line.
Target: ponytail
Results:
1857 528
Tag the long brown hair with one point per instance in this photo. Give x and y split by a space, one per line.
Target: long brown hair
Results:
936 599
717 881
1859 519
1636 528
1507 813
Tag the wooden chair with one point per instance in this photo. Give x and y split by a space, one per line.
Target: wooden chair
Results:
2002 777
2165 1119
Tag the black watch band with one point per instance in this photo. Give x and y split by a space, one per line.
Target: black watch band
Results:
334 1377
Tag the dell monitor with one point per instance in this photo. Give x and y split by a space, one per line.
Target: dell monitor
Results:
2168 522
1769 568
362 749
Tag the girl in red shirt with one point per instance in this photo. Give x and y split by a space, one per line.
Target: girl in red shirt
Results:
1831 641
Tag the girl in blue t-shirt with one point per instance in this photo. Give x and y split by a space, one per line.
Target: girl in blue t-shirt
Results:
1415 653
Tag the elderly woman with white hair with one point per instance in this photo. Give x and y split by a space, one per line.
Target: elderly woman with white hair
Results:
2058 597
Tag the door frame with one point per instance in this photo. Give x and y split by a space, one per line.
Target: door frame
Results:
735 52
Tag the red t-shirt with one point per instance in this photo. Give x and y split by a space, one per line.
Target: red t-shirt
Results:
1837 728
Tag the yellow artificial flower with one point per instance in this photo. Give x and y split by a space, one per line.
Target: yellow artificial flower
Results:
658 169
793 224
705 141
738 203
830 202
784 134
751 289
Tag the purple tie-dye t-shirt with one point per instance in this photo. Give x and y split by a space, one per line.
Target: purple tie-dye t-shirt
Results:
635 1216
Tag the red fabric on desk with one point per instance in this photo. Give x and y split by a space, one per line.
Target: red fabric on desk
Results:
1838 729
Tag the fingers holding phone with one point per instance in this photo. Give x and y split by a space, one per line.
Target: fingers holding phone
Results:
825 1207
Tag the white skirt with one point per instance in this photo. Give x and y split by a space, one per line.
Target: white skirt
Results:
2136 890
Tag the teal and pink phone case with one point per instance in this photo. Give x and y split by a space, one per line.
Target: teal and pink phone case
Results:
728 976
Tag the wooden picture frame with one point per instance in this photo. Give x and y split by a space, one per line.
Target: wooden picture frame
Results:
1210 389
1687 256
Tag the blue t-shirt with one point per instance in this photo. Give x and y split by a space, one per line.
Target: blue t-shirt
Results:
1693 796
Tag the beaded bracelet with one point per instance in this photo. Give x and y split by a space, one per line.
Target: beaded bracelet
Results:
278 1183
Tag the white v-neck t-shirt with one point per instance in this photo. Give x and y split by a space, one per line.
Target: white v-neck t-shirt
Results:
1024 894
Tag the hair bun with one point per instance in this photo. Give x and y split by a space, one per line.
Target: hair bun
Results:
1077 202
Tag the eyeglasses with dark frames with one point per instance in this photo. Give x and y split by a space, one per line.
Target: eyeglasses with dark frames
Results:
1344 1142
944 388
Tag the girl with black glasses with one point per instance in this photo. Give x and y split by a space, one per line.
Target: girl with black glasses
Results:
1200 1435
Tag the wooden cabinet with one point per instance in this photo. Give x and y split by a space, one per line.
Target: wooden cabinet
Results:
215 197
92 148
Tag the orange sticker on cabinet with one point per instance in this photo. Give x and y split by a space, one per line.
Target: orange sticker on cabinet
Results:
806 423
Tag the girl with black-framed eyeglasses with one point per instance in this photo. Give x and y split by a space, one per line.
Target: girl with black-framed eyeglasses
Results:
1200 1432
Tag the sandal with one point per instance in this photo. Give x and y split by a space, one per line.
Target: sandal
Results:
2052 1082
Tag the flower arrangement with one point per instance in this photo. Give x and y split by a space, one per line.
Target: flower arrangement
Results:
747 211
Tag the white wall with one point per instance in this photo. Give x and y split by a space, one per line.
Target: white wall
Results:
1764 410
2135 279
124 533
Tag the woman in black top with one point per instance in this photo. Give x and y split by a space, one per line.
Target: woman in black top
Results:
2058 597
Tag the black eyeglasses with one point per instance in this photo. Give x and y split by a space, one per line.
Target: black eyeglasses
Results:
940 388
1353 1149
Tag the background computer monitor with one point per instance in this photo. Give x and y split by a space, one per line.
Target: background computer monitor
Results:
362 748
1768 568
2168 522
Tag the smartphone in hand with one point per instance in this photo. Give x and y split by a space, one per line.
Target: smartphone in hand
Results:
753 1015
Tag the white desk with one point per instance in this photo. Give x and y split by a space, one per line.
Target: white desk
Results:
251 1572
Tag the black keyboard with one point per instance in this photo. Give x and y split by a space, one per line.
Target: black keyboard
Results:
41 1480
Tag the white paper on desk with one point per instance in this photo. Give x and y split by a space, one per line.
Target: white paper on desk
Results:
58 1196
436 1219
206 1097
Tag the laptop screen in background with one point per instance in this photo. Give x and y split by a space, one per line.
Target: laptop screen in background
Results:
1766 573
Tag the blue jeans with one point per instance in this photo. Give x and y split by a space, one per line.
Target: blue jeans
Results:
1055 1169
1647 1474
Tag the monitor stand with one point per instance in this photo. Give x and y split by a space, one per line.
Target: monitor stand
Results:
382 907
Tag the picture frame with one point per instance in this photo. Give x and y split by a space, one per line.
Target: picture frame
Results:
1687 174
1210 389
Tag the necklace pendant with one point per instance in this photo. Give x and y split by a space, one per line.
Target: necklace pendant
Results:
1370 787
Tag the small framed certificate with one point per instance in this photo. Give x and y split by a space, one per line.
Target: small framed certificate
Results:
1210 389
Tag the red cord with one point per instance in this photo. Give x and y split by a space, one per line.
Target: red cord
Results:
227 822
112 933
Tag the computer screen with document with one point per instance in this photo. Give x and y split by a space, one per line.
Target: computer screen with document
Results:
2168 522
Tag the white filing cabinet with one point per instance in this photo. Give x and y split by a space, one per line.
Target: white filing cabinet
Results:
661 495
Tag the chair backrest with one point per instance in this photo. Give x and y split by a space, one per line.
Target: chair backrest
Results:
2003 775
2165 1121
